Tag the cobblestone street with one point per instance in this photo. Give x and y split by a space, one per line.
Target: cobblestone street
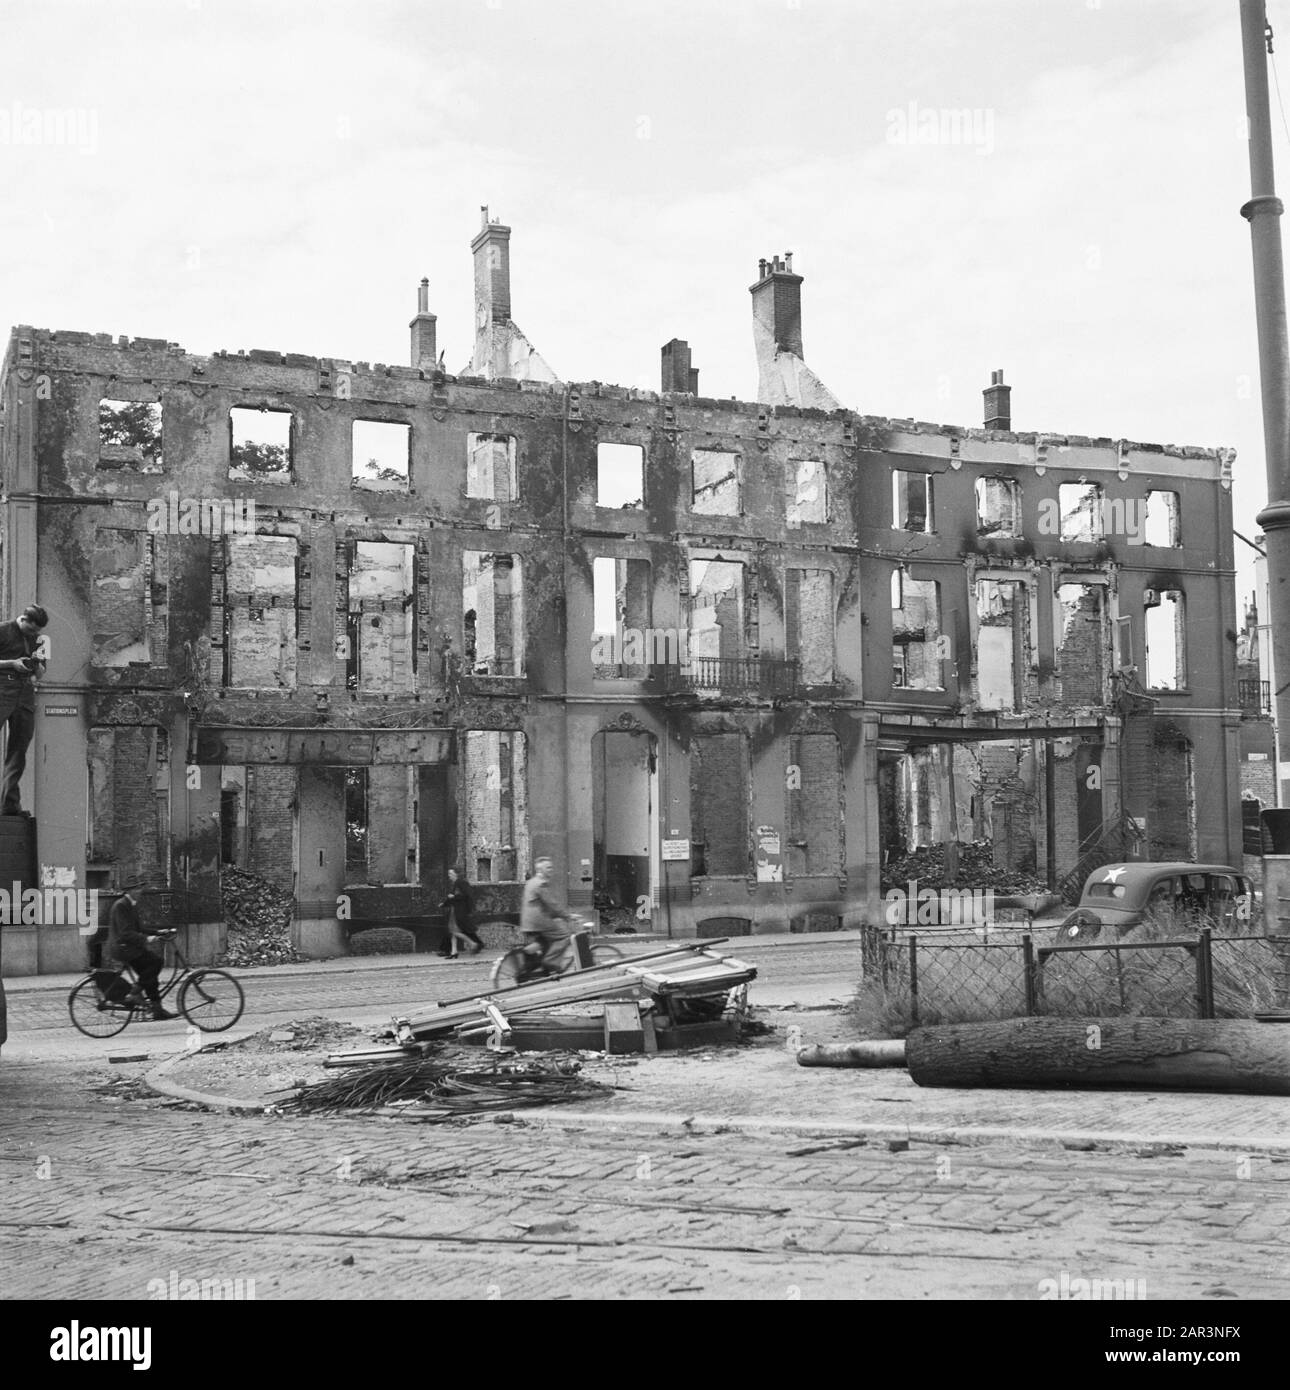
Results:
104 1193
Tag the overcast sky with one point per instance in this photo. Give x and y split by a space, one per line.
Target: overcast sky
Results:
281 175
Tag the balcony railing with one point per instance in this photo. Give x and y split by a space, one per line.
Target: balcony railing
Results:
770 678
1255 696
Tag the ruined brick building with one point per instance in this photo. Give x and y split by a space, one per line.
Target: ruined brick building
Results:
345 625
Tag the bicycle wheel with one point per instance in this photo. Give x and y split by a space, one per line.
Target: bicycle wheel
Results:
604 954
511 970
211 1000
94 1017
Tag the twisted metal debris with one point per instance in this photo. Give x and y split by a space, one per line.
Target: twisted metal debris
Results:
441 1090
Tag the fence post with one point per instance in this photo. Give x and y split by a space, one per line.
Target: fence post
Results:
913 979
1028 970
1205 975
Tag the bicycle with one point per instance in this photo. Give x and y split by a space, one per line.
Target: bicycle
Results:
522 965
104 1002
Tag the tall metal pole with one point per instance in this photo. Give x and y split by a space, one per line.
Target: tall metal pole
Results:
1263 211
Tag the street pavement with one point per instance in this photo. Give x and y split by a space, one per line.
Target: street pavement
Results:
689 1182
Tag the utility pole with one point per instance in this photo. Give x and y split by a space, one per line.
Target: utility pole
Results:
1263 211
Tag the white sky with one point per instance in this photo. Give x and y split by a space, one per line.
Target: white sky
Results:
281 175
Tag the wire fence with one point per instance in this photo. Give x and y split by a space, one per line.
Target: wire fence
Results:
956 977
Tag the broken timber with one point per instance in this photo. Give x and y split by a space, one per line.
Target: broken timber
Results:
1161 1054
879 1052
686 971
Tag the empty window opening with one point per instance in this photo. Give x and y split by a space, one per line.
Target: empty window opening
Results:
808 493
1124 643
129 800
624 646
496 806
1079 506
382 617
717 609
232 816
814 806
809 623
1161 525
620 475
998 507
493 614
381 451
355 825
624 769
911 501
717 482
127 599
719 831
1082 643
130 435
259 445
381 841
1001 610
260 598
916 630
1165 656
490 467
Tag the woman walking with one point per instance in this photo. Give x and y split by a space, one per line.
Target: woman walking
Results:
460 904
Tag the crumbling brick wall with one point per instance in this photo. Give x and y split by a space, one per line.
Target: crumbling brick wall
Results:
271 812
719 802
815 810
1081 645
1172 807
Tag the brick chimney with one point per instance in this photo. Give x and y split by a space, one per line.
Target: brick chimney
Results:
777 303
678 375
423 331
492 252
998 403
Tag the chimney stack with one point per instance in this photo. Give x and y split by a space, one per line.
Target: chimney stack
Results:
423 331
492 252
777 303
678 375
998 403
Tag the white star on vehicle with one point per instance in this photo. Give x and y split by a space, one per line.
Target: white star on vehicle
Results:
1113 875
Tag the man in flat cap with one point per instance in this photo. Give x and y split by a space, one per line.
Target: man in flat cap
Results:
19 665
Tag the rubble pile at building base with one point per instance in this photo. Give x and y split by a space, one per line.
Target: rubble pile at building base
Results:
257 915
977 869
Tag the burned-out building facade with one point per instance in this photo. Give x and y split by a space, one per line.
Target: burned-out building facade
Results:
345 625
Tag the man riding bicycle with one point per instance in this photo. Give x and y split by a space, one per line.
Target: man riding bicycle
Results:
544 924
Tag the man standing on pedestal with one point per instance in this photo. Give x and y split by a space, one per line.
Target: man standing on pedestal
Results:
19 666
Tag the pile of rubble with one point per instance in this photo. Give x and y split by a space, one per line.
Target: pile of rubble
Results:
977 869
258 917
313 1034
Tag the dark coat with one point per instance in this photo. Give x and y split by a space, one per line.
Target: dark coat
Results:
460 902
127 939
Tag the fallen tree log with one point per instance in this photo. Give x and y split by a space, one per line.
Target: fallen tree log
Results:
883 1052
1159 1054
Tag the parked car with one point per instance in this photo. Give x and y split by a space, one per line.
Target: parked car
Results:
1177 895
